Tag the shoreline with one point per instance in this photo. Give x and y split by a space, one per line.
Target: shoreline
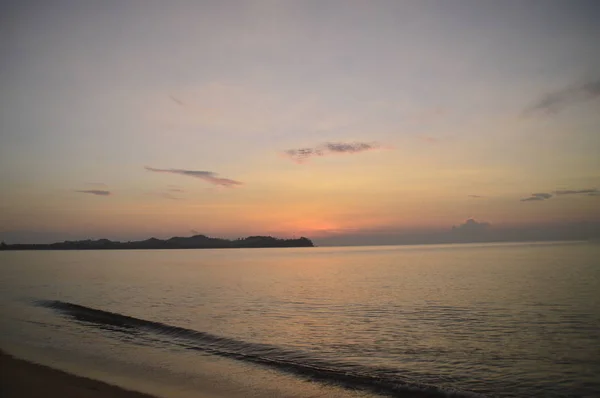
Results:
23 379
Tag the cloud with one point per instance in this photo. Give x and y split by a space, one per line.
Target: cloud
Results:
469 231
537 197
542 195
354 147
207 176
471 226
531 199
591 191
556 101
177 101
476 196
545 196
300 155
98 192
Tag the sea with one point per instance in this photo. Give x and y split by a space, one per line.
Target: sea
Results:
468 320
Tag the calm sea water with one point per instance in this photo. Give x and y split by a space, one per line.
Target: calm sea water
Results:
503 320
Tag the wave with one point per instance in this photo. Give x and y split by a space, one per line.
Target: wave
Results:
350 376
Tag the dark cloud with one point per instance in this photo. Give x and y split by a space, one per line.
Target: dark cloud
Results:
302 154
207 176
476 196
592 191
556 101
545 196
537 197
340 147
98 192
542 195
471 226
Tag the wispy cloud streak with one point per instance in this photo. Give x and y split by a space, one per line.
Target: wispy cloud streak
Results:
176 100
301 155
537 197
561 192
577 191
98 192
207 176
556 101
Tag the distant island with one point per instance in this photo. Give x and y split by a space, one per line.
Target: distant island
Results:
193 242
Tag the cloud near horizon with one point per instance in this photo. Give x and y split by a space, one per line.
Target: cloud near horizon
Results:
97 192
207 176
556 101
592 191
301 155
537 197
471 226
544 196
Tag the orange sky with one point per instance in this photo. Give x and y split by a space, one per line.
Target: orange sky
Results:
292 119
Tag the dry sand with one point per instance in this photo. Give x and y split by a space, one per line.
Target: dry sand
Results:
22 379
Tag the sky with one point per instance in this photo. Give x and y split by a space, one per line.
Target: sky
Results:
348 122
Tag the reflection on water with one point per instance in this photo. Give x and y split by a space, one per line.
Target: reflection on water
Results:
499 320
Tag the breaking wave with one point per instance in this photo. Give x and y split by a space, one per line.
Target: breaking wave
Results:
353 376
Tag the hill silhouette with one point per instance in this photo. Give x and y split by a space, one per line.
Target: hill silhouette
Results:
192 242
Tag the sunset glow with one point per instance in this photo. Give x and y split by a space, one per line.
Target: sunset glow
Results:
326 120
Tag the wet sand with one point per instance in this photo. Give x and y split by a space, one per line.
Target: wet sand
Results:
22 379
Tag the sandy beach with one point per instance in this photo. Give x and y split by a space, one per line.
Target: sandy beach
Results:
22 379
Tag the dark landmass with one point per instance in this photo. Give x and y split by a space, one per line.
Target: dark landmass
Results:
193 242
